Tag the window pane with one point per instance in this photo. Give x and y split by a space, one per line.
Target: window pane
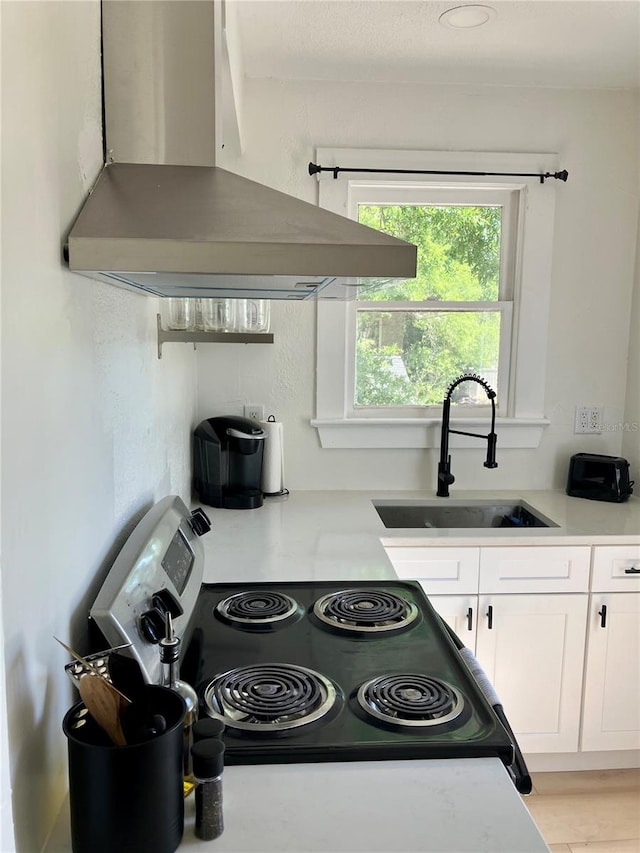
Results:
409 358
458 251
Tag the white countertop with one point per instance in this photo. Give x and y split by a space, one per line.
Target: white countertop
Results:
442 806
339 535
434 806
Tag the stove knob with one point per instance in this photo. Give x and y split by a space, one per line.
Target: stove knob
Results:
199 521
152 625
165 601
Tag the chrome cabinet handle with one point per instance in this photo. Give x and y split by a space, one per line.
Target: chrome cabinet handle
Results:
470 619
632 571
603 616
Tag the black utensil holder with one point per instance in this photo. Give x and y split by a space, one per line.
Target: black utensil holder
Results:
128 799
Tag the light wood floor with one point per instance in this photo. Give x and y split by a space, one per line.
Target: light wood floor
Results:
596 811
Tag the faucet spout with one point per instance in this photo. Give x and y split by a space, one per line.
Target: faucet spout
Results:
445 477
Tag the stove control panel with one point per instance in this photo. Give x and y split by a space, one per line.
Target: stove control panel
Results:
158 571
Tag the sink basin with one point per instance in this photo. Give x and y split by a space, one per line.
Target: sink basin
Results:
468 514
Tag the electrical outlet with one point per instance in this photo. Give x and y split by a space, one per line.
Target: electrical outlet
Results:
595 419
588 419
255 411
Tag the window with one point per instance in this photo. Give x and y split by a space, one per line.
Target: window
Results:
410 341
479 302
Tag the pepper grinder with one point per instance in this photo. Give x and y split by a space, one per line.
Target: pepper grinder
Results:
208 764
170 657
206 728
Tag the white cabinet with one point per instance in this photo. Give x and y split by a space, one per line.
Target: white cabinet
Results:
611 715
611 705
532 650
533 653
562 651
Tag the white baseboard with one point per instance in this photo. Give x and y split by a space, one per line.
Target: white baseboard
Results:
613 760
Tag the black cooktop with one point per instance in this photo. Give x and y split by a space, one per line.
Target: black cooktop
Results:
299 674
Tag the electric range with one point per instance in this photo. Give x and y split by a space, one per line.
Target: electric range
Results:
298 671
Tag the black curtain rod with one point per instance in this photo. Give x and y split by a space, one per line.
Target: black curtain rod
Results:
560 176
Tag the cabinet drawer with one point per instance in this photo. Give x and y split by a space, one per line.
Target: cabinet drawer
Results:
535 569
440 570
616 568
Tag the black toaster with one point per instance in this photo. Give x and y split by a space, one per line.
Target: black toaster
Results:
599 478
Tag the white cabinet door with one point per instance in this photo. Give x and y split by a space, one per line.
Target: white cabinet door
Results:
611 718
461 613
532 650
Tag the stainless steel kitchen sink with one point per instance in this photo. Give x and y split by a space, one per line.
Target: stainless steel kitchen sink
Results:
463 514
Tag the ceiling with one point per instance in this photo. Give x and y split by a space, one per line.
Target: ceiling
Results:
557 43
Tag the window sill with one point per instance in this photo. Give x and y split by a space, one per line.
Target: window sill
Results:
396 433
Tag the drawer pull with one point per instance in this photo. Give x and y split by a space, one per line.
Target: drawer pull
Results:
603 616
632 571
490 617
470 619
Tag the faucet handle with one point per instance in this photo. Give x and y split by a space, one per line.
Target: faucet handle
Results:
492 440
445 479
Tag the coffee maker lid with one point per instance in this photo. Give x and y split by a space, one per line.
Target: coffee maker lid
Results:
236 433
233 426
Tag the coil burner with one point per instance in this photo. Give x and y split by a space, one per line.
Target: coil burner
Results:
366 611
410 699
259 610
269 697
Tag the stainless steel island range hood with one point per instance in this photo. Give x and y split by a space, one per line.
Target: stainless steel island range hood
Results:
163 219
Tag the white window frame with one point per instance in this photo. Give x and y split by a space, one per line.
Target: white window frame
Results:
522 422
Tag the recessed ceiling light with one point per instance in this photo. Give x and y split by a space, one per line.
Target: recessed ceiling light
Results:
467 17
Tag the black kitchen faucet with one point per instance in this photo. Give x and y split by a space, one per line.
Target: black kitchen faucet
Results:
445 477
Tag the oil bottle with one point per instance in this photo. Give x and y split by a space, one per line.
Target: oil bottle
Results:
169 658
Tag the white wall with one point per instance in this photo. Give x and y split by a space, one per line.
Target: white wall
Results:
6 814
631 421
94 428
595 134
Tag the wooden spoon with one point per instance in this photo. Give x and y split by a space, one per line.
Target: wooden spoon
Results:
103 703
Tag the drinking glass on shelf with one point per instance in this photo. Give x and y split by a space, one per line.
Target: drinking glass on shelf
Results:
253 315
180 314
219 315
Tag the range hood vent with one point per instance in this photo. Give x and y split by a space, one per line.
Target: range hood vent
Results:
163 218
202 231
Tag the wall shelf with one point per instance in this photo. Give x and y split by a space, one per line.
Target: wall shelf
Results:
166 336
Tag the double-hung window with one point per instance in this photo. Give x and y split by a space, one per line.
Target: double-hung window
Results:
411 340
478 304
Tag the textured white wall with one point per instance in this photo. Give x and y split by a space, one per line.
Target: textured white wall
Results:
94 428
596 135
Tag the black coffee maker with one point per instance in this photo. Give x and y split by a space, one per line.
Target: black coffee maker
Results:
227 462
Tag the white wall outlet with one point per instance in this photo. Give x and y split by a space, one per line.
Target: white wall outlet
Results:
255 411
588 419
